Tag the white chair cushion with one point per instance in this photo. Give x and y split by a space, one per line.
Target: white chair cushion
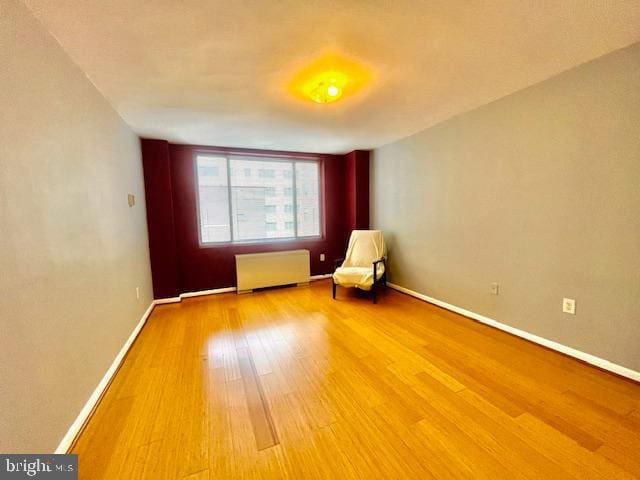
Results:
359 277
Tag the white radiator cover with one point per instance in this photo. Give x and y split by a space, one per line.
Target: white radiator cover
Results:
259 270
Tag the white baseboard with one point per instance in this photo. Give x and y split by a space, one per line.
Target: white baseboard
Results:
215 291
182 296
207 292
161 301
86 411
572 352
320 277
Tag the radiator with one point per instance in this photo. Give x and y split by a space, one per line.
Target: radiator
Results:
259 270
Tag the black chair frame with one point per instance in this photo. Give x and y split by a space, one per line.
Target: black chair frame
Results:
376 282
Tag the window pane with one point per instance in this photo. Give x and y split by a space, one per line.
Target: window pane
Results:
213 197
249 212
308 198
258 199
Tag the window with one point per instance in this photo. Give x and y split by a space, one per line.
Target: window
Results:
232 204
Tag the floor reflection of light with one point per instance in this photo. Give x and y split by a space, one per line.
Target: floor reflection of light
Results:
297 349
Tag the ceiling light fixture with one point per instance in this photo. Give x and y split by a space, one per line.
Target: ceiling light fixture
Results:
328 79
326 87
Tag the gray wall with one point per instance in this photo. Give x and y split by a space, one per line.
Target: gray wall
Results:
538 191
71 250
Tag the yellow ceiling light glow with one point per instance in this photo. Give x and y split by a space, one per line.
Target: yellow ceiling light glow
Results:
329 79
326 87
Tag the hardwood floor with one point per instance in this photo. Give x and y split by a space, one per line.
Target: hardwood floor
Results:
289 383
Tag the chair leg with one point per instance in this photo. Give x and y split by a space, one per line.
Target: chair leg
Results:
334 289
374 291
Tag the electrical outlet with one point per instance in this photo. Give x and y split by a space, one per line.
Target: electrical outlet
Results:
569 306
131 199
322 257
138 293
495 289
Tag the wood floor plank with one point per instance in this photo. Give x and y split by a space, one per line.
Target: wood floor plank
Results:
263 427
291 384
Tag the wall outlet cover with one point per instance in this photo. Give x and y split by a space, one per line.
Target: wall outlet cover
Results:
569 306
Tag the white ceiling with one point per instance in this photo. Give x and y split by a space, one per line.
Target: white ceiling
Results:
215 72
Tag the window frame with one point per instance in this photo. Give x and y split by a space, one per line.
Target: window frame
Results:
266 157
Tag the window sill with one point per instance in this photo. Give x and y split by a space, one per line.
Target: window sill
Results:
261 242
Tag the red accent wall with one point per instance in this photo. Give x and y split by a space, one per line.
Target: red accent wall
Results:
160 221
357 190
179 264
